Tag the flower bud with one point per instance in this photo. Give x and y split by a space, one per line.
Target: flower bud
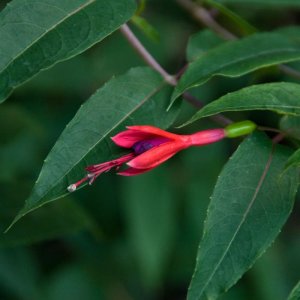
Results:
240 128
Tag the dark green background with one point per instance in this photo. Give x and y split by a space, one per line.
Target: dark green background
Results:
124 238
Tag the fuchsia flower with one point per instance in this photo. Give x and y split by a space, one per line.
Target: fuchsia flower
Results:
150 146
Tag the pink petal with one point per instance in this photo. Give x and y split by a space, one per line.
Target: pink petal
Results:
129 137
133 171
207 137
154 131
156 155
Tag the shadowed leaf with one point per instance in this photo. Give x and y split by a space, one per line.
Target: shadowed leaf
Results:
280 97
138 97
243 217
240 57
38 34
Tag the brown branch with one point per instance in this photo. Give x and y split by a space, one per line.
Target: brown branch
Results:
204 17
219 119
146 56
150 60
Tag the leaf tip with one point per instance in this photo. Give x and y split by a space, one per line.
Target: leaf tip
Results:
15 220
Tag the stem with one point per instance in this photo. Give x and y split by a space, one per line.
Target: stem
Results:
202 15
290 71
150 60
219 119
263 128
278 138
146 56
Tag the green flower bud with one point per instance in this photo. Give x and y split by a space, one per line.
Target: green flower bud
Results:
240 128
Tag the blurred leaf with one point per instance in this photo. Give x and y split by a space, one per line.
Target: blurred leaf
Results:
198 168
138 97
146 28
291 125
200 42
243 217
237 58
39 34
13 161
21 136
294 160
141 7
240 23
268 276
151 222
293 32
280 3
73 282
280 97
15 121
295 293
19 273
48 222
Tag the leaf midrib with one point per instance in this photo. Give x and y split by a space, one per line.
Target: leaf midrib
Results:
259 185
46 32
213 111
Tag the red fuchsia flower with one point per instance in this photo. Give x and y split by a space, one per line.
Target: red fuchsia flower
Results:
150 146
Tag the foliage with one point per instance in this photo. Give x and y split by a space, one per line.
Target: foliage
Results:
70 79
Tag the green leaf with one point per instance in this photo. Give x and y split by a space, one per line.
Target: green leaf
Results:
52 221
244 217
239 22
280 3
141 7
291 126
293 161
151 222
295 293
146 28
74 281
38 34
19 274
138 97
200 42
237 58
280 97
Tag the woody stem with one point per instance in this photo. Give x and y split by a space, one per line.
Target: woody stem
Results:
147 57
150 60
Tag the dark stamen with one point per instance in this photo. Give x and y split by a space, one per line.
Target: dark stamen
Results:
143 146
